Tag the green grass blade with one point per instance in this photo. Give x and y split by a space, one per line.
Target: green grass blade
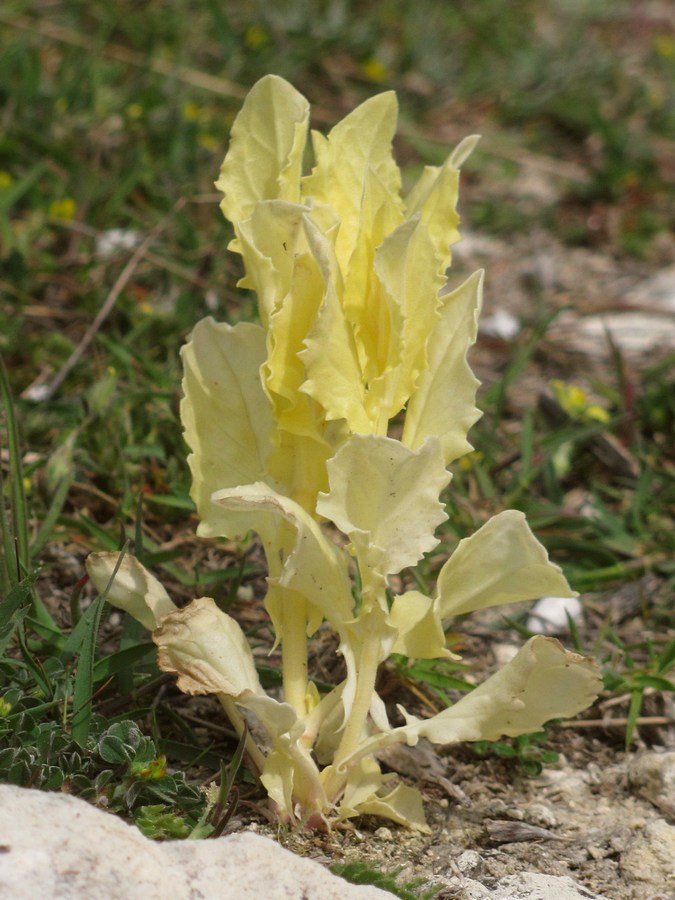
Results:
132 630
8 569
84 675
14 609
86 526
14 522
633 714
666 659
122 660
86 633
53 513
34 665
15 528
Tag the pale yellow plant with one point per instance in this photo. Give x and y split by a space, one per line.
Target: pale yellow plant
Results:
345 405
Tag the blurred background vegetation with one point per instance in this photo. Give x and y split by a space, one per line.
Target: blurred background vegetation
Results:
114 119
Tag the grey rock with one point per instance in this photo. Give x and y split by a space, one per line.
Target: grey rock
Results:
635 333
643 322
657 292
652 775
469 861
650 857
54 845
531 886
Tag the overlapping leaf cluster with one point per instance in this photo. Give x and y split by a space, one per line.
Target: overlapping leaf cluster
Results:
345 405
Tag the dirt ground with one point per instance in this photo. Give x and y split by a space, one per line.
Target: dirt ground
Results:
582 818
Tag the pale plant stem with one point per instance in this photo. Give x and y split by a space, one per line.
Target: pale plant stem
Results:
308 791
294 612
254 753
368 662
294 650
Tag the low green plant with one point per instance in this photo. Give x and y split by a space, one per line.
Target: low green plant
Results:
635 678
525 749
118 767
358 872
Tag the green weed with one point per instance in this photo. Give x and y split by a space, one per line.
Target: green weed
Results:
362 873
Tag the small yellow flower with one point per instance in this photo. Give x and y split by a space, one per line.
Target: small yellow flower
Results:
134 110
664 45
208 142
62 209
191 111
255 37
575 402
374 69
6 180
152 771
469 460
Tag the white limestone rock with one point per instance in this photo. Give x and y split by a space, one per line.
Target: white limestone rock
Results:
531 886
650 859
549 615
652 775
55 845
657 292
642 323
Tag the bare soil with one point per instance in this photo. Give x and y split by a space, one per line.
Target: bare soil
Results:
579 819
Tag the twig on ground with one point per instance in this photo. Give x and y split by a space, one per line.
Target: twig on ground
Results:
63 35
616 723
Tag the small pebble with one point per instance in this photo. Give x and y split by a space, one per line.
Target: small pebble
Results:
115 239
504 653
501 324
383 833
652 775
468 861
549 615
539 814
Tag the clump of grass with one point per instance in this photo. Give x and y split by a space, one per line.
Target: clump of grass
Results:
362 873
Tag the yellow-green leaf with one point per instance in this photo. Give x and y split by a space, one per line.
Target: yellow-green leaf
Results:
333 374
308 562
502 562
135 590
434 197
269 241
386 498
358 145
225 413
419 626
368 793
264 160
208 652
444 402
543 681
407 267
